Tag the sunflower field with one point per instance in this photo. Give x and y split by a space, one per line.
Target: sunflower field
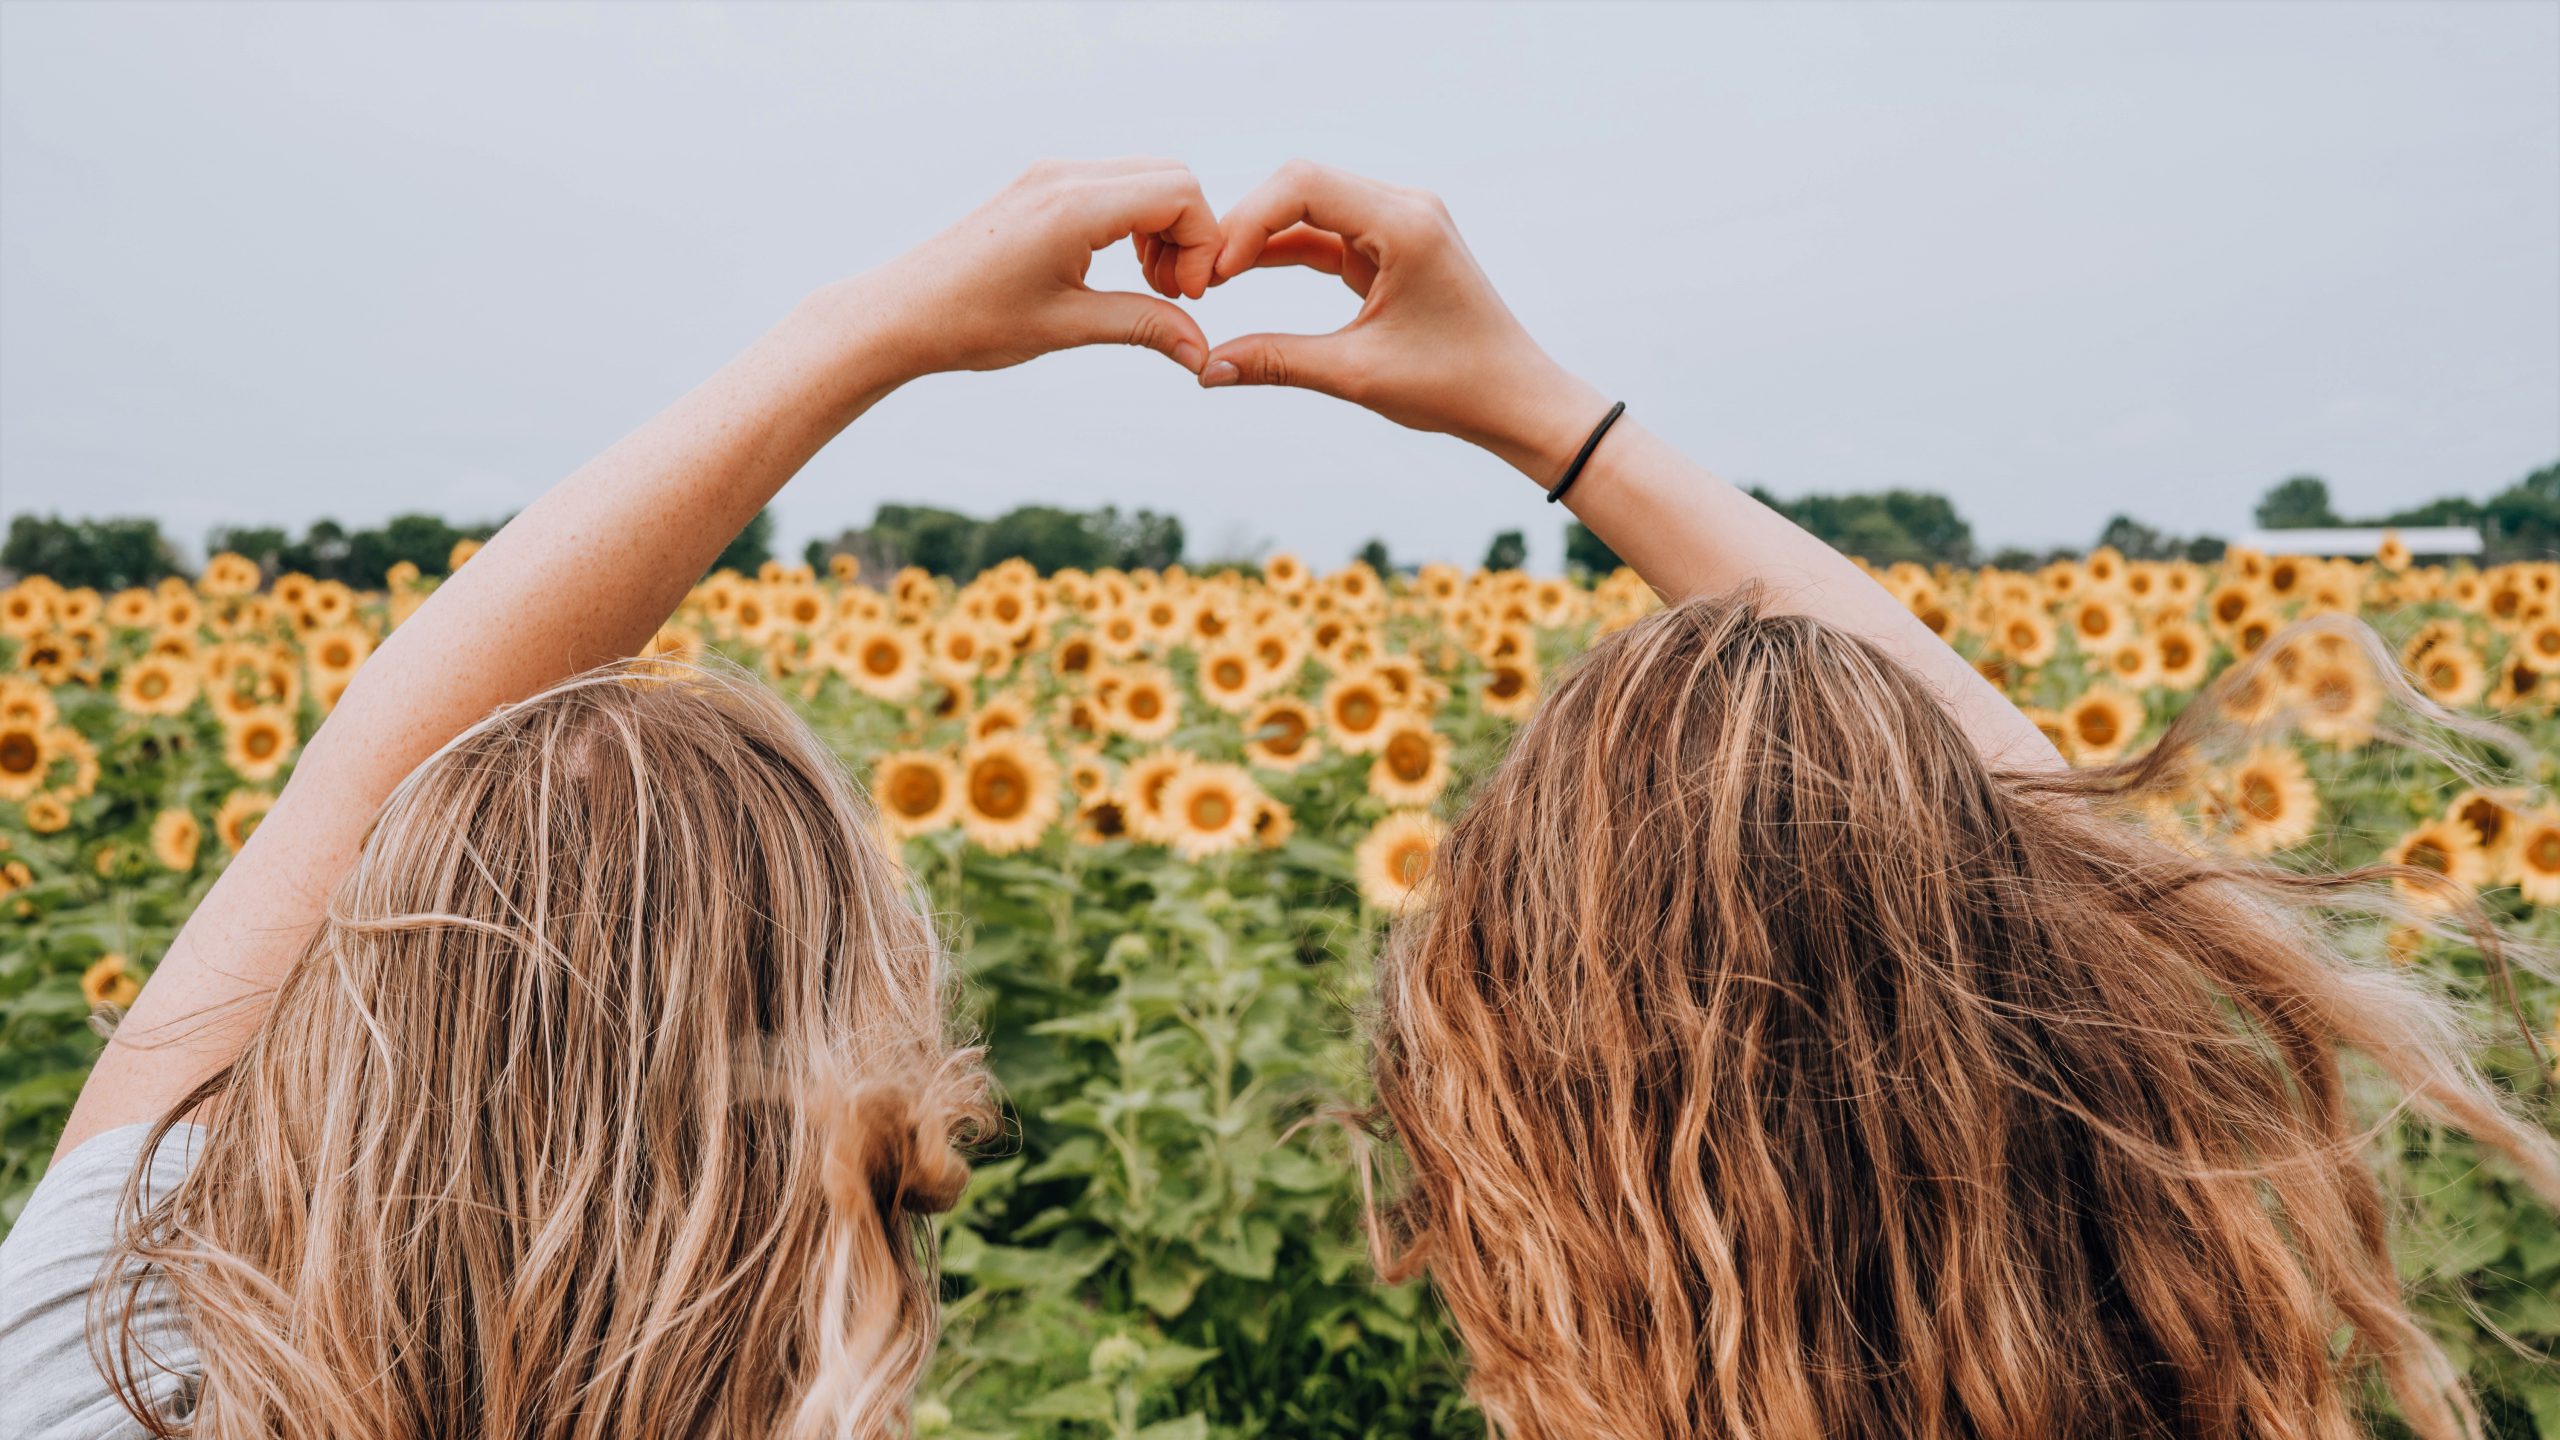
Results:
1166 818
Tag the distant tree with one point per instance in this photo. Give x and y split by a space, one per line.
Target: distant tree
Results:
1509 551
105 554
752 547
1144 541
425 541
1374 555
1048 537
264 544
944 542
2135 540
1586 551
1884 526
2300 503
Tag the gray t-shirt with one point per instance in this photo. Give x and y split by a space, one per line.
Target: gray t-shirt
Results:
50 1388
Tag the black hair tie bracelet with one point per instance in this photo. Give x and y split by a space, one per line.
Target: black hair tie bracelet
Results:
1582 457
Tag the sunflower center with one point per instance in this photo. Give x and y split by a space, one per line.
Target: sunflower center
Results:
881 657
1227 674
2428 855
2260 799
2544 853
152 685
2486 819
1145 704
1409 757
999 789
1358 710
917 791
18 753
260 743
1293 732
1507 683
1211 810
2098 727
1409 862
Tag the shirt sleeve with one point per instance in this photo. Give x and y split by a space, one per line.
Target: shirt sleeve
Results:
51 1258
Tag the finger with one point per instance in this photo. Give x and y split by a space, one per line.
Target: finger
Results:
1301 191
1164 203
1122 317
1328 364
1168 258
1314 249
1150 250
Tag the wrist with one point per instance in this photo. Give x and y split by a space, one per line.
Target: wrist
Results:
857 332
1542 423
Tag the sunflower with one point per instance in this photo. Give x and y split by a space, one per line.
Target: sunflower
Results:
26 701
1074 656
1210 809
2536 857
109 981
175 834
883 662
2450 673
1273 824
156 685
2490 818
48 815
1009 790
1281 734
257 744
2100 624
23 758
1511 687
2267 801
2539 644
228 574
1143 783
1412 764
2336 700
1394 862
1146 706
2443 850
1285 571
1101 820
999 714
2181 655
1357 706
238 818
917 791
1088 775
2131 666
1230 679
133 609
2024 635
337 650
2102 724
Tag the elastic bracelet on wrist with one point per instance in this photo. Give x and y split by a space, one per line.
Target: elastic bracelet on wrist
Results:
1582 457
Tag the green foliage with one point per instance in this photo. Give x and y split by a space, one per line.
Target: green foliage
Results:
1585 551
751 547
105 554
1509 551
1883 527
2301 503
957 547
330 551
1373 554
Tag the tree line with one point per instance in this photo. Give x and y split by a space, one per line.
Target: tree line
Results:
2519 522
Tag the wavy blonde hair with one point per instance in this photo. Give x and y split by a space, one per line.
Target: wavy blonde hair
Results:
604 1103
1768 1066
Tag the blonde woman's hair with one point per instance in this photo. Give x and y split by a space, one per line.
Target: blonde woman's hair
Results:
1770 1067
604 1103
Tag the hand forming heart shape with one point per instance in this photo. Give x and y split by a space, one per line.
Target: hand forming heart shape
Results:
1432 347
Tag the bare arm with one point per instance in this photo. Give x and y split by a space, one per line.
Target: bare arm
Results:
589 571
1434 348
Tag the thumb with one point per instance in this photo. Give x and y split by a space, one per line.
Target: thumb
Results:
1118 317
1322 363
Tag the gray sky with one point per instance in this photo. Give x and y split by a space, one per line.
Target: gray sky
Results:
262 264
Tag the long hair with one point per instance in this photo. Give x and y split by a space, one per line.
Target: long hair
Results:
1768 1066
604 1103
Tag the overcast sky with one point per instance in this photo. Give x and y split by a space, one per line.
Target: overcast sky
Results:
264 264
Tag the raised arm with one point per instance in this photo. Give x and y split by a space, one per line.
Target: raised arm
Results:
588 572
1434 348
